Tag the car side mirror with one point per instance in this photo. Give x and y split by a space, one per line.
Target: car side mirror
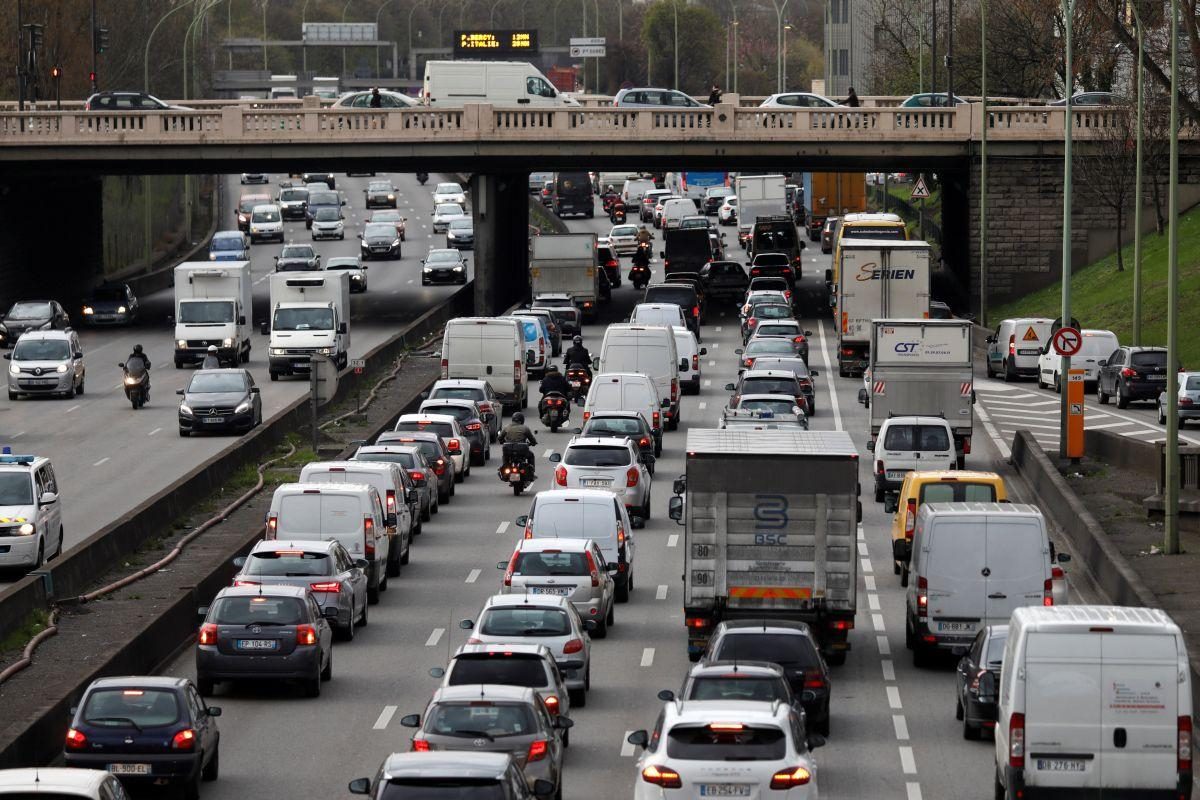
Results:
576 430
522 520
47 498
360 786
589 625
202 613
342 328
1102 362
437 672
242 320
891 502
214 711
543 788
815 740
612 567
360 235
179 392
8 357
1063 558
362 563
255 390
813 373
662 253
528 358
675 509
555 458
729 387
638 738
596 362
239 562
666 403
637 522
990 340
738 352
411 720
871 445
564 723
901 550
666 695
703 351
330 613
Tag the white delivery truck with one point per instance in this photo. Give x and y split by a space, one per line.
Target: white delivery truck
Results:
284 87
877 280
453 84
565 263
922 367
758 196
212 307
770 522
310 314
325 88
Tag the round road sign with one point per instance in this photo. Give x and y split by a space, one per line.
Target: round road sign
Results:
1067 341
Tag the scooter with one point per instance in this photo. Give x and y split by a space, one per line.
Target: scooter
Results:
137 385
581 381
422 178
617 214
639 273
554 410
516 468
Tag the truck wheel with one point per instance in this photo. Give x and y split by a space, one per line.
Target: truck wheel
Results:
878 493
835 659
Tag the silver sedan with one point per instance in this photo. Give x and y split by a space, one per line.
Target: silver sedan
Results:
615 465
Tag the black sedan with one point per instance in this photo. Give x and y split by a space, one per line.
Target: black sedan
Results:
219 400
110 304
380 240
146 730
380 194
1131 374
977 679
724 280
447 265
297 257
32 315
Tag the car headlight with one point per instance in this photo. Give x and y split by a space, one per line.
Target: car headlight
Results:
395 243
391 197
28 529
427 269
242 217
243 407
181 343
131 381
61 368
458 268
227 342
363 244
14 370
211 257
120 310
88 310
325 351
185 409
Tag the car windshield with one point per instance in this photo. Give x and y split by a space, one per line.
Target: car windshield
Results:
385 216
693 222
1193 383
218 243
1149 358
110 294
736 687
784 406
506 669
381 229
457 393
773 312
201 312
481 718
297 251
525 621
624 230
447 788
216 382
324 199
406 460
379 186
15 489
327 215
288 563
41 350
461 225
293 195
458 412
575 518
131 708
596 456
761 346
247 204
785 386
257 609
30 311
684 297
303 319
787 650
732 742
615 426
265 216
916 437
442 257
449 210
448 188
550 563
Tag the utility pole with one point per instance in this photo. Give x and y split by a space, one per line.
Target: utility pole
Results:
933 48
950 56
735 48
20 60
675 13
1171 490
95 47
983 164
1068 135
1137 186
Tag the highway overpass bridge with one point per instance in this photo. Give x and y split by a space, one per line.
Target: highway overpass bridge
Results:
500 146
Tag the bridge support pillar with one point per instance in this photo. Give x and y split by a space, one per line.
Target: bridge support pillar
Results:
500 205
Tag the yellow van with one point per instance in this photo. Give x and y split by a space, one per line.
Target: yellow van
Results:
935 486
864 226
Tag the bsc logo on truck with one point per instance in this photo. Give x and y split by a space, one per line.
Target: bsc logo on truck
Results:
770 515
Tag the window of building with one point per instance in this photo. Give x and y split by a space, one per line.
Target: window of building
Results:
843 62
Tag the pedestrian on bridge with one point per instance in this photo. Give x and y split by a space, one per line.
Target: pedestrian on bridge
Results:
714 96
376 100
852 99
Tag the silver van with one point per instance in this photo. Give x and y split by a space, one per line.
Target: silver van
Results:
46 362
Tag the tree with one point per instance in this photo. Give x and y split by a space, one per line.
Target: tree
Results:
701 45
1106 165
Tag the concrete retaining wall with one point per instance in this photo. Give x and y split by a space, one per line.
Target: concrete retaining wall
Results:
1121 451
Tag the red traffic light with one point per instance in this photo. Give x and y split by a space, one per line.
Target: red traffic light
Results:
56 72
92 77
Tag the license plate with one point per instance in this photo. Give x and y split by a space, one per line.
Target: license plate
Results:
575 384
895 474
595 483
209 420
956 627
561 591
1061 765
724 790
514 477
104 317
42 381
1029 352
129 769
1157 377
257 644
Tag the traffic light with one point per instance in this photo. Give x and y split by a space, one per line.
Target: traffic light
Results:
92 77
35 35
56 72
101 39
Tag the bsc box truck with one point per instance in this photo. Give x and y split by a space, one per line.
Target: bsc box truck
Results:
565 263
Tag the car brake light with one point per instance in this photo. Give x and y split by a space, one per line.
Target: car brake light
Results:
485 407
1012 345
966 445
417 475
369 536
910 518
656 417
922 596
560 476
537 750
1128 373
586 415
1184 744
306 634
439 467
879 468
510 569
798 339
272 526
1048 592
665 777
75 739
591 565
453 445
420 746
696 311
445 368
244 582
208 634
695 362
328 586
552 704
517 371
473 426
573 646
542 346
696 622
750 323
644 441
674 389
787 778
1016 740
1185 401
631 477
391 501
726 726
184 740
813 679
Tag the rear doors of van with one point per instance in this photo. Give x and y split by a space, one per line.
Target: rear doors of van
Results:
486 348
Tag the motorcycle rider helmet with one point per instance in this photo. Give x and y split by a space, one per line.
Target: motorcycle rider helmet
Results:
610 188
552 368
212 348
137 349
578 341
518 418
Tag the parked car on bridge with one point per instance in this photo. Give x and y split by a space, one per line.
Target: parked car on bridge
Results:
798 100
128 101
387 99
655 98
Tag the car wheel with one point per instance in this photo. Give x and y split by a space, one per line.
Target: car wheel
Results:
836 658
312 687
1057 384
191 787
1010 372
878 493
12 395
646 507
407 555
363 618
393 567
427 512
59 547
1122 398
611 619
205 686
823 725
622 592
601 631
327 673
347 633
998 789
958 709
41 555
184 433
80 389
991 373
372 595
1100 395
213 768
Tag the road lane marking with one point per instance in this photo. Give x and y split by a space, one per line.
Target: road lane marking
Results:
156 430
707 382
862 550
907 762
866 565
993 434
626 747
101 461
647 656
877 622
673 540
1107 425
18 435
712 363
829 384
435 637
913 790
549 451
869 580
716 345
502 527
901 726
889 669
862 535
702 405
73 408
717 329
873 601
885 647
472 576
385 717
661 592
893 695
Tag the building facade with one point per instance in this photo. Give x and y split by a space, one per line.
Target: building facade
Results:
849 40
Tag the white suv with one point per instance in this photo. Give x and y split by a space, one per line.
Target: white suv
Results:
46 362
31 527
726 748
910 443
615 465
570 568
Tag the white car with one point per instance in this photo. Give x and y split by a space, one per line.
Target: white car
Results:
548 620
798 100
266 222
444 214
905 444
658 207
30 510
327 224
727 213
623 239
62 782
1096 346
449 193
726 748
615 465
570 568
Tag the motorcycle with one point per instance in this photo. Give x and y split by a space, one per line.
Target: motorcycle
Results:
422 178
581 381
137 384
616 213
608 200
554 410
639 274
516 468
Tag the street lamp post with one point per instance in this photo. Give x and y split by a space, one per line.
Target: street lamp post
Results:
1064 407
983 164
150 38
1137 186
379 14
264 33
345 8
596 61
779 8
1171 490
303 49
412 62
675 12
786 28
733 5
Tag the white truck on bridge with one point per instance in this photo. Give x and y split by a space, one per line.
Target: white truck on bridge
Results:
310 316
923 367
758 196
565 263
771 520
212 307
877 280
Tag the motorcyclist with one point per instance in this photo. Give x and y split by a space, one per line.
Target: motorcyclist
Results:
578 354
517 432
644 236
210 359
554 381
139 354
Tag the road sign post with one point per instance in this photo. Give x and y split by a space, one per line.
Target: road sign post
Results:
588 47
1075 412
920 190
1067 341
358 365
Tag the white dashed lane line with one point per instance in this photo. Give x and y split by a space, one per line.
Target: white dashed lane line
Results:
101 461
673 540
901 726
502 527
893 696
626 747
885 647
907 762
913 791
661 592
385 717
156 430
472 576
889 669
647 656
435 637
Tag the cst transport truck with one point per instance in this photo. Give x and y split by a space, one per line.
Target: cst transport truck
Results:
212 307
832 194
876 280
310 314
770 520
565 263
923 367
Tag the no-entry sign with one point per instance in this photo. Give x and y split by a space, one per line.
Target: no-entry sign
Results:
1067 341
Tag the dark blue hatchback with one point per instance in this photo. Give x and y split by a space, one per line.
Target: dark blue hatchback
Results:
149 730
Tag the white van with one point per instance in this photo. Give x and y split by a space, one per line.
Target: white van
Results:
675 210
452 84
1095 701
348 513
689 354
399 499
650 350
487 349
633 191
1013 349
535 343
1097 345
627 391
972 564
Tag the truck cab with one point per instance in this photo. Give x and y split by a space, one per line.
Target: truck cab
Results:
309 316
213 307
